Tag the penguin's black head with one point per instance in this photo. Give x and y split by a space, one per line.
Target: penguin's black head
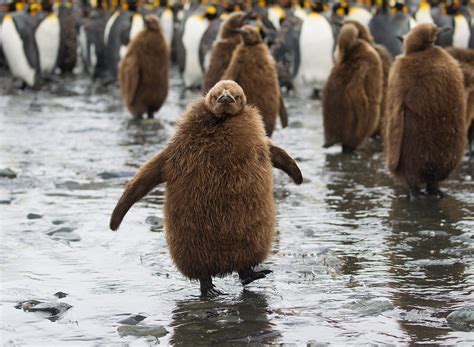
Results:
226 98
232 22
422 37
250 35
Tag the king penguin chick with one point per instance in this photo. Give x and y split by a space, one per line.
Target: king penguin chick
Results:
222 50
219 207
465 57
424 134
253 67
143 72
353 93
387 60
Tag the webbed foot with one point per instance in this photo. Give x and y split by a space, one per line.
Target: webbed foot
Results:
248 276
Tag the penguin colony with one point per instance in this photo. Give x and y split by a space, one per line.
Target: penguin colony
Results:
400 73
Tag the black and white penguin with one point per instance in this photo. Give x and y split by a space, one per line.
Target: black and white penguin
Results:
316 43
192 30
461 24
68 43
423 13
19 46
360 12
48 38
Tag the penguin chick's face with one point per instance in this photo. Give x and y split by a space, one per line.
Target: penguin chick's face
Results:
421 37
226 98
250 35
363 30
232 22
152 22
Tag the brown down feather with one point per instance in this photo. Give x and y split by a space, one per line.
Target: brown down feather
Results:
353 92
219 206
254 69
424 131
143 73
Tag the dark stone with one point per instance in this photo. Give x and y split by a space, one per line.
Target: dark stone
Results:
462 319
54 309
142 330
133 319
7 173
58 222
154 221
60 230
60 295
33 216
106 175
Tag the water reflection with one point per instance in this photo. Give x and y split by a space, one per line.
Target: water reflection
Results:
242 320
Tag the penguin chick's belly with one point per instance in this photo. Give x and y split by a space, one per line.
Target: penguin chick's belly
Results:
221 224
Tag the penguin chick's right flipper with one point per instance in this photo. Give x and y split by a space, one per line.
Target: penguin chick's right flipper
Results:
130 79
281 160
148 177
248 276
283 113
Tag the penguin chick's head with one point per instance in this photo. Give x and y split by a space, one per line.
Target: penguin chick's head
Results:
347 37
152 22
250 35
226 98
364 33
232 22
422 37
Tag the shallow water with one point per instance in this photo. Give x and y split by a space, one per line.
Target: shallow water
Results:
354 260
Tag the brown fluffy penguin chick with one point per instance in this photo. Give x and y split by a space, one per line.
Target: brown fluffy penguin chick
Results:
466 59
424 135
228 39
253 68
219 207
387 60
353 92
143 73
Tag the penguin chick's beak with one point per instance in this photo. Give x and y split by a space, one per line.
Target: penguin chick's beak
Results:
226 98
400 38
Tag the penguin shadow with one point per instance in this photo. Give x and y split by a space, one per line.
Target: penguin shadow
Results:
141 131
224 321
425 258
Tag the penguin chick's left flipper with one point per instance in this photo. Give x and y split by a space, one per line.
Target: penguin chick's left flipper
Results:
248 276
281 160
148 177
283 113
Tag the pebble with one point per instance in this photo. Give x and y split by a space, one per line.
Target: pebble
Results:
154 221
133 319
462 319
106 175
58 222
60 230
33 216
64 234
60 295
142 330
55 309
7 173
372 307
5 202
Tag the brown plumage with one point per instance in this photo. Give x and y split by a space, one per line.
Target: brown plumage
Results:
219 207
228 39
353 92
253 68
387 60
466 59
143 72
424 134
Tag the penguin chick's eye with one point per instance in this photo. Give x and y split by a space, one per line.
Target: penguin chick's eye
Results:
237 97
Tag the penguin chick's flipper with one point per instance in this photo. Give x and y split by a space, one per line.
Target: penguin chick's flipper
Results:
148 177
248 276
208 289
283 113
281 160
130 82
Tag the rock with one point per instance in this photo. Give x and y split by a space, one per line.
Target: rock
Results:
5 202
372 307
33 216
60 230
60 295
66 236
142 330
54 309
58 222
462 319
154 221
133 319
7 173
296 124
106 175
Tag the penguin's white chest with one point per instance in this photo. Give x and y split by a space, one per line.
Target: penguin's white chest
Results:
316 51
194 28
360 14
138 24
15 55
423 15
166 23
108 26
47 37
462 32
274 15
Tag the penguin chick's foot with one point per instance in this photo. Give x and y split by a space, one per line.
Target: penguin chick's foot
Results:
347 149
150 114
415 193
248 276
433 189
208 290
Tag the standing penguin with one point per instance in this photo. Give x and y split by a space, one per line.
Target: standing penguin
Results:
68 39
253 68
229 39
423 14
425 128
219 163
386 59
143 72
316 44
353 93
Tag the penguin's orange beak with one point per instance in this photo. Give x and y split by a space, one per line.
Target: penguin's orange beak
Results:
226 98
